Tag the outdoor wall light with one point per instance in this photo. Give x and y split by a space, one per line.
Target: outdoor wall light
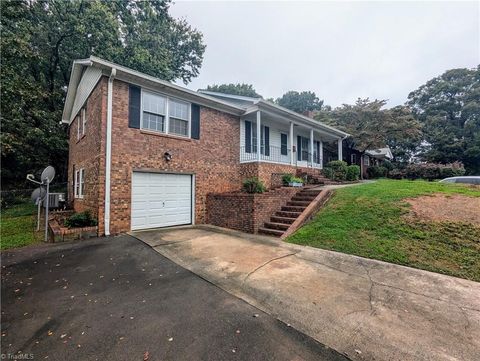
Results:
167 156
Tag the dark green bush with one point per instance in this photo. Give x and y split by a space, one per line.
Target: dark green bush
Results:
353 172
431 171
253 185
336 170
82 219
376 171
396 174
287 178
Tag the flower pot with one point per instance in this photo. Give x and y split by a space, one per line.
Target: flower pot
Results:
295 184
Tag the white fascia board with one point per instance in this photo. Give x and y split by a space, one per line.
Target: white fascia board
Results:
229 96
138 78
75 77
299 119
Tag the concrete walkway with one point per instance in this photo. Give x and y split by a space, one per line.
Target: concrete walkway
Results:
366 309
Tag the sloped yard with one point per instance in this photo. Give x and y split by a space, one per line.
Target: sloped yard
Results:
427 225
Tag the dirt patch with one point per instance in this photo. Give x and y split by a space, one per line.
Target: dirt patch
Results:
440 208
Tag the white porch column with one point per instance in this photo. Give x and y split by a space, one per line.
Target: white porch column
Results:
259 133
292 141
311 146
340 150
321 154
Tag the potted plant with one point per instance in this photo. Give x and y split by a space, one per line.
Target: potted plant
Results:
291 181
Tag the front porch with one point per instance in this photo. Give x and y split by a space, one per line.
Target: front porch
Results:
266 137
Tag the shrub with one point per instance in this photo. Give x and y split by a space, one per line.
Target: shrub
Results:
376 171
353 172
253 185
297 180
336 170
431 171
287 178
83 219
396 174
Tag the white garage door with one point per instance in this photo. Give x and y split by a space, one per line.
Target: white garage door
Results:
161 200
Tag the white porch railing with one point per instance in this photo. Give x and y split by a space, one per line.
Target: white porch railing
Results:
274 154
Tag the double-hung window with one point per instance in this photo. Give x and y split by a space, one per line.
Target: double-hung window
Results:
79 183
251 137
303 151
316 152
153 111
165 115
178 112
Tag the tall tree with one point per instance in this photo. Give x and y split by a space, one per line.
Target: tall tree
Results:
449 108
246 90
373 127
39 41
300 102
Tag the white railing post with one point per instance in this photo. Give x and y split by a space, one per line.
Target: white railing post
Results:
259 133
292 155
321 154
340 150
311 146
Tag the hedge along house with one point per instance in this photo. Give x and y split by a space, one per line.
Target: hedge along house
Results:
144 153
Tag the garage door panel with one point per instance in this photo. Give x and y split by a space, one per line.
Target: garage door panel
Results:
160 200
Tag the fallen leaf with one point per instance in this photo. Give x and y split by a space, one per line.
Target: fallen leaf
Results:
62 336
146 355
49 333
170 339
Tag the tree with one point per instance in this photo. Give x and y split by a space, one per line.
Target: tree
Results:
448 106
300 102
39 41
372 127
246 90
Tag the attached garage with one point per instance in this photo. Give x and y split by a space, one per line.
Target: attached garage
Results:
161 200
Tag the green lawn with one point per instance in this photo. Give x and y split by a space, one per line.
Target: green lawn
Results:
367 220
17 226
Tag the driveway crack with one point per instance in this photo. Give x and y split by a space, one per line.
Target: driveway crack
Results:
267 262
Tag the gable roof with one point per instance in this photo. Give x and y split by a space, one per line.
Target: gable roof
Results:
380 153
83 81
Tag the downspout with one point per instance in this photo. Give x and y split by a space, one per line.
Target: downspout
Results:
108 151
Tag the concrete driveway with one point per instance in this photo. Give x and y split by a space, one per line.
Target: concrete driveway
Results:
117 299
366 309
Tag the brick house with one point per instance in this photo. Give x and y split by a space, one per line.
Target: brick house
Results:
145 153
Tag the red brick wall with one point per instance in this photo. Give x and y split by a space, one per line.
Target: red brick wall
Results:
214 158
271 173
88 153
246 212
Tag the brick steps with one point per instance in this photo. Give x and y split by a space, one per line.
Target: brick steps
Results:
286 216
286 220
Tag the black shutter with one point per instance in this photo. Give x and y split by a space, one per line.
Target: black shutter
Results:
195 121
267 141
283 144
134 107
248 136
299 147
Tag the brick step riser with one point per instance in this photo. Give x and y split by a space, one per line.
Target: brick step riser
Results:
270 232
285 220
303 198
298 203
277 226
293 208
287 214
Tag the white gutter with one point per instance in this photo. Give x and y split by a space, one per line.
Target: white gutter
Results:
108 151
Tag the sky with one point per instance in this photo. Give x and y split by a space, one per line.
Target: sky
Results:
340 50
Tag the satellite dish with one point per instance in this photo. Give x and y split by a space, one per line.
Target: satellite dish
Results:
48 174
38 194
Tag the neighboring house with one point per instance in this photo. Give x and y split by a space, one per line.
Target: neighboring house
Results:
368 159
145 153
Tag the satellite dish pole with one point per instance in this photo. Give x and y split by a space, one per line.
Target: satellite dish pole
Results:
40 194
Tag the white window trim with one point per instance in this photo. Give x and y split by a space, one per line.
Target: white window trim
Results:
84 120
366 160
79 184
167 114
78 127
